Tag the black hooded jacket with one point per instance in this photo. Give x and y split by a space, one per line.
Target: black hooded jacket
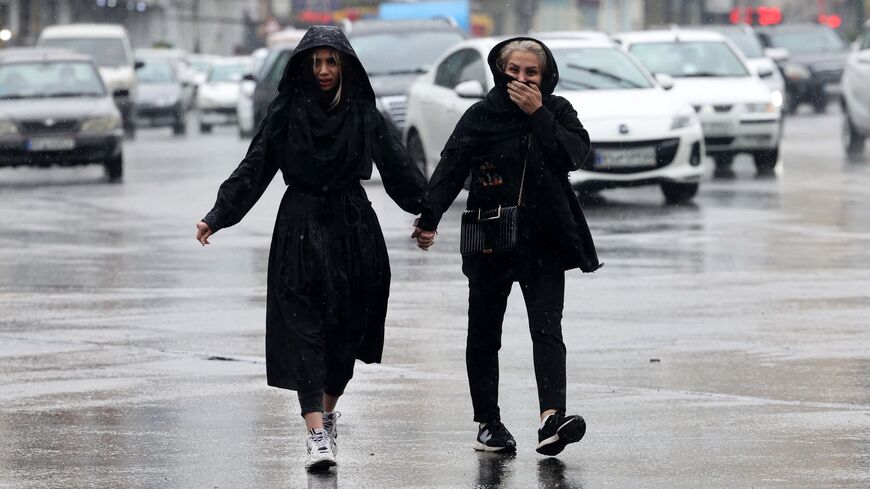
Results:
491 142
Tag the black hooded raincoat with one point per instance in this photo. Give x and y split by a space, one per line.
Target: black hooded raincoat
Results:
490 142
329 274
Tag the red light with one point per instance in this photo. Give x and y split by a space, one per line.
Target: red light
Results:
769 15
734 16
834 21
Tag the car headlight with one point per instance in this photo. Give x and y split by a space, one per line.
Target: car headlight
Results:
794 71
776 98
8 128
100 125
765 107
684 118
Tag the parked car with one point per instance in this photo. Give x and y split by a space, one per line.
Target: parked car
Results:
395 53
762 61
245 105
109 46
160 100
856 95
736 107
640 134
217 97
816 58
55 110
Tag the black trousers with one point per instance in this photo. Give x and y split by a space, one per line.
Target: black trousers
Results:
544 294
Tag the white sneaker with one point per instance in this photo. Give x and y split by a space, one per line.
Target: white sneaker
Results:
330 420
320 454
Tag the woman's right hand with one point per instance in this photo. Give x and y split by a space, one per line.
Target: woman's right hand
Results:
203 232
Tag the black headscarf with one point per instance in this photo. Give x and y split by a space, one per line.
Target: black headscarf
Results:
327 149
497 117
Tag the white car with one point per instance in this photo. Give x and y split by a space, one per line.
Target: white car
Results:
737 109
640 133
761 60
856 95
218 96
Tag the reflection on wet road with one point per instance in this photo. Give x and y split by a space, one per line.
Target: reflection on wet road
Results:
132 357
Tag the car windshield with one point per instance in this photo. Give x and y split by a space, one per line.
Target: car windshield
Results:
598 69
105 51
50 79
155 71
409 52
228 72
819 40
745 41
690 59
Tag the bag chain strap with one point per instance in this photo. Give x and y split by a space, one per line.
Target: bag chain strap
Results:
523 179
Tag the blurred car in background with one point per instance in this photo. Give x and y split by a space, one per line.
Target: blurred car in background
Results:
395 52
160 99
184 72
815 63
762 61
640 134
55 110
736 107
217 97
245 105
856 95
109 46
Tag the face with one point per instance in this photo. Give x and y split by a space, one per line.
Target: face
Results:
525 67
326 69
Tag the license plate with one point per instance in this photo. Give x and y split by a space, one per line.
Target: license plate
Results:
51 144
717 127
623 158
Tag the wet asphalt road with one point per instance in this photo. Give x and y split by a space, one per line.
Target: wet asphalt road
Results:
132 357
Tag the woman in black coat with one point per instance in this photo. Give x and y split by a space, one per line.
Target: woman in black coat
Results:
328 273
521 137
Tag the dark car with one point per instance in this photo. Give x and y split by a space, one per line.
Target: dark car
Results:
817 55
55 110
160 100
267 79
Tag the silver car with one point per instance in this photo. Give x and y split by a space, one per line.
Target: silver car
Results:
55 111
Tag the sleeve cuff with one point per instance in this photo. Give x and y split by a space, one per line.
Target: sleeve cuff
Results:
427 222
212 221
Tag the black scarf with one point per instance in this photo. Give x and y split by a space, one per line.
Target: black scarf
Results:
497 117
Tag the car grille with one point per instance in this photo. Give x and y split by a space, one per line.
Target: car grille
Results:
720 141
48 126
397 108
721 109
666 150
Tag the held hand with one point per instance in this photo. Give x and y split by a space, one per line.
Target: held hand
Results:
425 239
203 232
527 97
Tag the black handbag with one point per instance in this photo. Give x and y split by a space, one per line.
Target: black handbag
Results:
487 231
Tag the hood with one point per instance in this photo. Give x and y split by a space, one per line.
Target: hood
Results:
353 73
57 108
833 60
702 91
621 105
151 92
387 85
550 75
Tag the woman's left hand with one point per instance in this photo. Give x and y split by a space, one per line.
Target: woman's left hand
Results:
527 97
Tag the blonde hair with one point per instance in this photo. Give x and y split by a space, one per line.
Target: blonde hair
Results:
526 45
335 54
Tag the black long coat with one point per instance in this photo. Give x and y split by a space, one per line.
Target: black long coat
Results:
328 272
491 142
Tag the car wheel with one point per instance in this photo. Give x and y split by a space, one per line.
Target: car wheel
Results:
205 128
115 168
853 141
765 161
180 127
415 150
679 193
723 164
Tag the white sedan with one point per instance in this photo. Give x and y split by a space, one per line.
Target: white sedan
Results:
737 109
218 96
640 134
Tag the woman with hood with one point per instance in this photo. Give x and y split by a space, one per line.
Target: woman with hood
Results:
328 270
518 145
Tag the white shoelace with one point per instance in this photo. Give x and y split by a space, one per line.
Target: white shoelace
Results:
318 442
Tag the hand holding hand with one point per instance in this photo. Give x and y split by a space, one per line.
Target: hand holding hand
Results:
425 239
203 232
527 97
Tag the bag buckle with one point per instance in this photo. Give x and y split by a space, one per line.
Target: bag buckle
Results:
497 215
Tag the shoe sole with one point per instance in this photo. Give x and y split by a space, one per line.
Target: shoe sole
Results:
322 464
480 447
570 432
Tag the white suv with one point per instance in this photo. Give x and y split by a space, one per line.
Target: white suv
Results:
856 95
640 133
737 109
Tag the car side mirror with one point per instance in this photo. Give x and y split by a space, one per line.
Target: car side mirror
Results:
249 77
764 71
666 81
470 89
778 55
138 65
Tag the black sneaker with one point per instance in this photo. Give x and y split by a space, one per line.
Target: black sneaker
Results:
558 431
494 437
